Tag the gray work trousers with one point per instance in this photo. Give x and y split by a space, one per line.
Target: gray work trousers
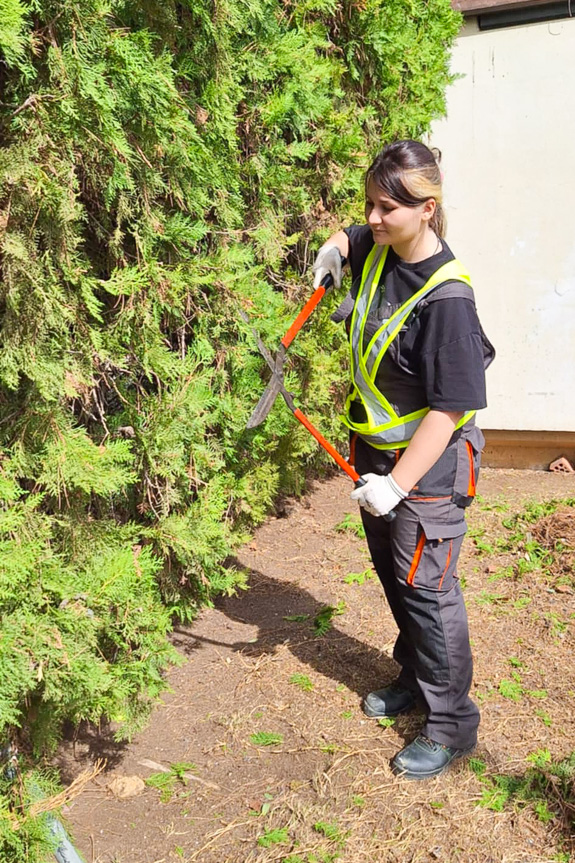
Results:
415 557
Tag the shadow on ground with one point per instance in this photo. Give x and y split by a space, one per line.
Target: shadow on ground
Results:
335 655
95 742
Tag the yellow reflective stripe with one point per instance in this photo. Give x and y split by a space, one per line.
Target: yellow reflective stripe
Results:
404 444
396 445
465 418
358 427
450 270
443 274
402 420
360 353
368 427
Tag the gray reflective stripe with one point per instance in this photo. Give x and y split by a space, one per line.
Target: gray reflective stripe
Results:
377 414
361 306
395 434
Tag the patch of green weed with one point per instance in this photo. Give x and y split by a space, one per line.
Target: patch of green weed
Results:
323 856
557 625
504 572
543 812
486 598
521 603
511 689
494 506
164 783
351 524
482 546
322 620
331 831
359 577
477 765
167 783
303 681
273 837
266 738
546 785
514 689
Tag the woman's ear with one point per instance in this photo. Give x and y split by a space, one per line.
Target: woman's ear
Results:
429 208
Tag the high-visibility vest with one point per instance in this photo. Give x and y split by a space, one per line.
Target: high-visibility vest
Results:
384 428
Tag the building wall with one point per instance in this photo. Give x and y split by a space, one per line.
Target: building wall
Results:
508 147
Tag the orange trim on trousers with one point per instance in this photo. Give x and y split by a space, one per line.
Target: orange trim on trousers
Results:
416 559
446 565
471 490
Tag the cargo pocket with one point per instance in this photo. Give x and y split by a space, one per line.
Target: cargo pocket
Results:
469 448
434 563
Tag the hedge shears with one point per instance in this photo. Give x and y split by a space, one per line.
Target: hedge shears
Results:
276 385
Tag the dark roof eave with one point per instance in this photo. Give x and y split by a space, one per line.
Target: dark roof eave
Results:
474 7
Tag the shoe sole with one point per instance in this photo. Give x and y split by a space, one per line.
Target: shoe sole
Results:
373 714
405 774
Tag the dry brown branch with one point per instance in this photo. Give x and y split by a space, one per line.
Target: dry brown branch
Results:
69 793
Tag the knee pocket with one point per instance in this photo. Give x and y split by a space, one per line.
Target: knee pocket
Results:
434 563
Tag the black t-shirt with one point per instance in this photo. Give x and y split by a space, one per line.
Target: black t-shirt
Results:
443 344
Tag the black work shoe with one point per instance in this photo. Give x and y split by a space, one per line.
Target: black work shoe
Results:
424 758
391 701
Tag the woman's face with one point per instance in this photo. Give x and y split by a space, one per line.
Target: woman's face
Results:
392 223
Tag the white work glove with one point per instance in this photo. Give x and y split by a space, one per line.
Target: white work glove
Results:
379 495
328 261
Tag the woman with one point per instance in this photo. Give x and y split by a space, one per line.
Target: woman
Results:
418 356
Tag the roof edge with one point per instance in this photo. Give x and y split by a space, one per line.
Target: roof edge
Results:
474 7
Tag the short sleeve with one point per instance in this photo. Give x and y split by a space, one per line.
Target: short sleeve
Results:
360 245
452 355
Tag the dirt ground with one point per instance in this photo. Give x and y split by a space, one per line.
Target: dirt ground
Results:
321 789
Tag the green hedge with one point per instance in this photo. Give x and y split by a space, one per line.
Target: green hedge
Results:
163 165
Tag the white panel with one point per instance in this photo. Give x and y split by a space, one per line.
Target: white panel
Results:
508 147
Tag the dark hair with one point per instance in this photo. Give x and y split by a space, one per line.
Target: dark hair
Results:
408 172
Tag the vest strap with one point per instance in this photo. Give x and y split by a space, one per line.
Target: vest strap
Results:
383 428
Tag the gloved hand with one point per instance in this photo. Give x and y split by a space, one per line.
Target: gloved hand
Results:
379 495
328 261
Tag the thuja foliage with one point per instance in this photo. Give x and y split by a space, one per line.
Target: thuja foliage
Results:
163 165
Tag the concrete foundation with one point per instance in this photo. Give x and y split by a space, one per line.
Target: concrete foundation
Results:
532 450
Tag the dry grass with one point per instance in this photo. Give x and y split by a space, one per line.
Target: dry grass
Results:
65 797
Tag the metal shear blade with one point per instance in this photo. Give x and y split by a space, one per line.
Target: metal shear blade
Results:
275 386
